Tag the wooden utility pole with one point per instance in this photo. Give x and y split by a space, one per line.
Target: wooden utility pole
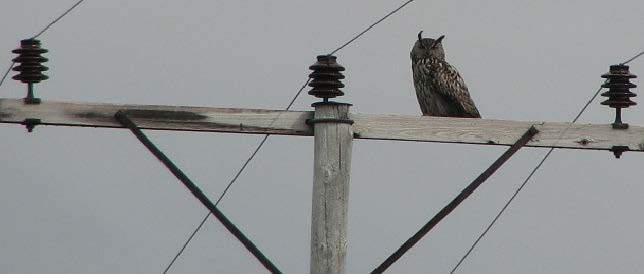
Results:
333 133
332 164
334 129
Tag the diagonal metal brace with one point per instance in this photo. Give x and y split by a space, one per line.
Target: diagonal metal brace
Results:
122 117
466 192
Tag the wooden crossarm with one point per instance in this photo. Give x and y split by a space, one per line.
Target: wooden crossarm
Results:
366 126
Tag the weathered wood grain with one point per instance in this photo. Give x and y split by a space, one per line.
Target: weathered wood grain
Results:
331 172
495 132
159 117
367 126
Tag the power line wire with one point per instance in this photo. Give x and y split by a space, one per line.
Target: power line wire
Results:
185 244
252 156
534 170
633 58
239 172
42 32
123 118
370 27
263 141
465 193
304 86
6 73
57 19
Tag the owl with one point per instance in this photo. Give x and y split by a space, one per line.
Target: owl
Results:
440 89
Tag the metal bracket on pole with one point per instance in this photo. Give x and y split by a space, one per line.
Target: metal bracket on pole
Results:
527 136
31 123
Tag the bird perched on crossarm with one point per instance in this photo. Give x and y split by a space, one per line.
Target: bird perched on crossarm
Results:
439 87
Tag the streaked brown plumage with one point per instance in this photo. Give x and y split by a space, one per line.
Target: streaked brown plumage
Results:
439 87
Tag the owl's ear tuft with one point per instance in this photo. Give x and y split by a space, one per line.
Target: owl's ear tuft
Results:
438 41
420 37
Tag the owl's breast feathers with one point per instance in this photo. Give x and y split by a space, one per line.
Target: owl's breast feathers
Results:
441 90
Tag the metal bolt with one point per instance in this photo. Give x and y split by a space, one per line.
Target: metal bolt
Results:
618 150
30 123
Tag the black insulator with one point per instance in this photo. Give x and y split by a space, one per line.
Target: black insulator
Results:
618 87
30 66
326 77
619 95
30 61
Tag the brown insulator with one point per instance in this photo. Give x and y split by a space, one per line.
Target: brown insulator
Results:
30 68
619 95
326 77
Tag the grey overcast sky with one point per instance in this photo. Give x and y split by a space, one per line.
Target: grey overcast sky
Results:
83 200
